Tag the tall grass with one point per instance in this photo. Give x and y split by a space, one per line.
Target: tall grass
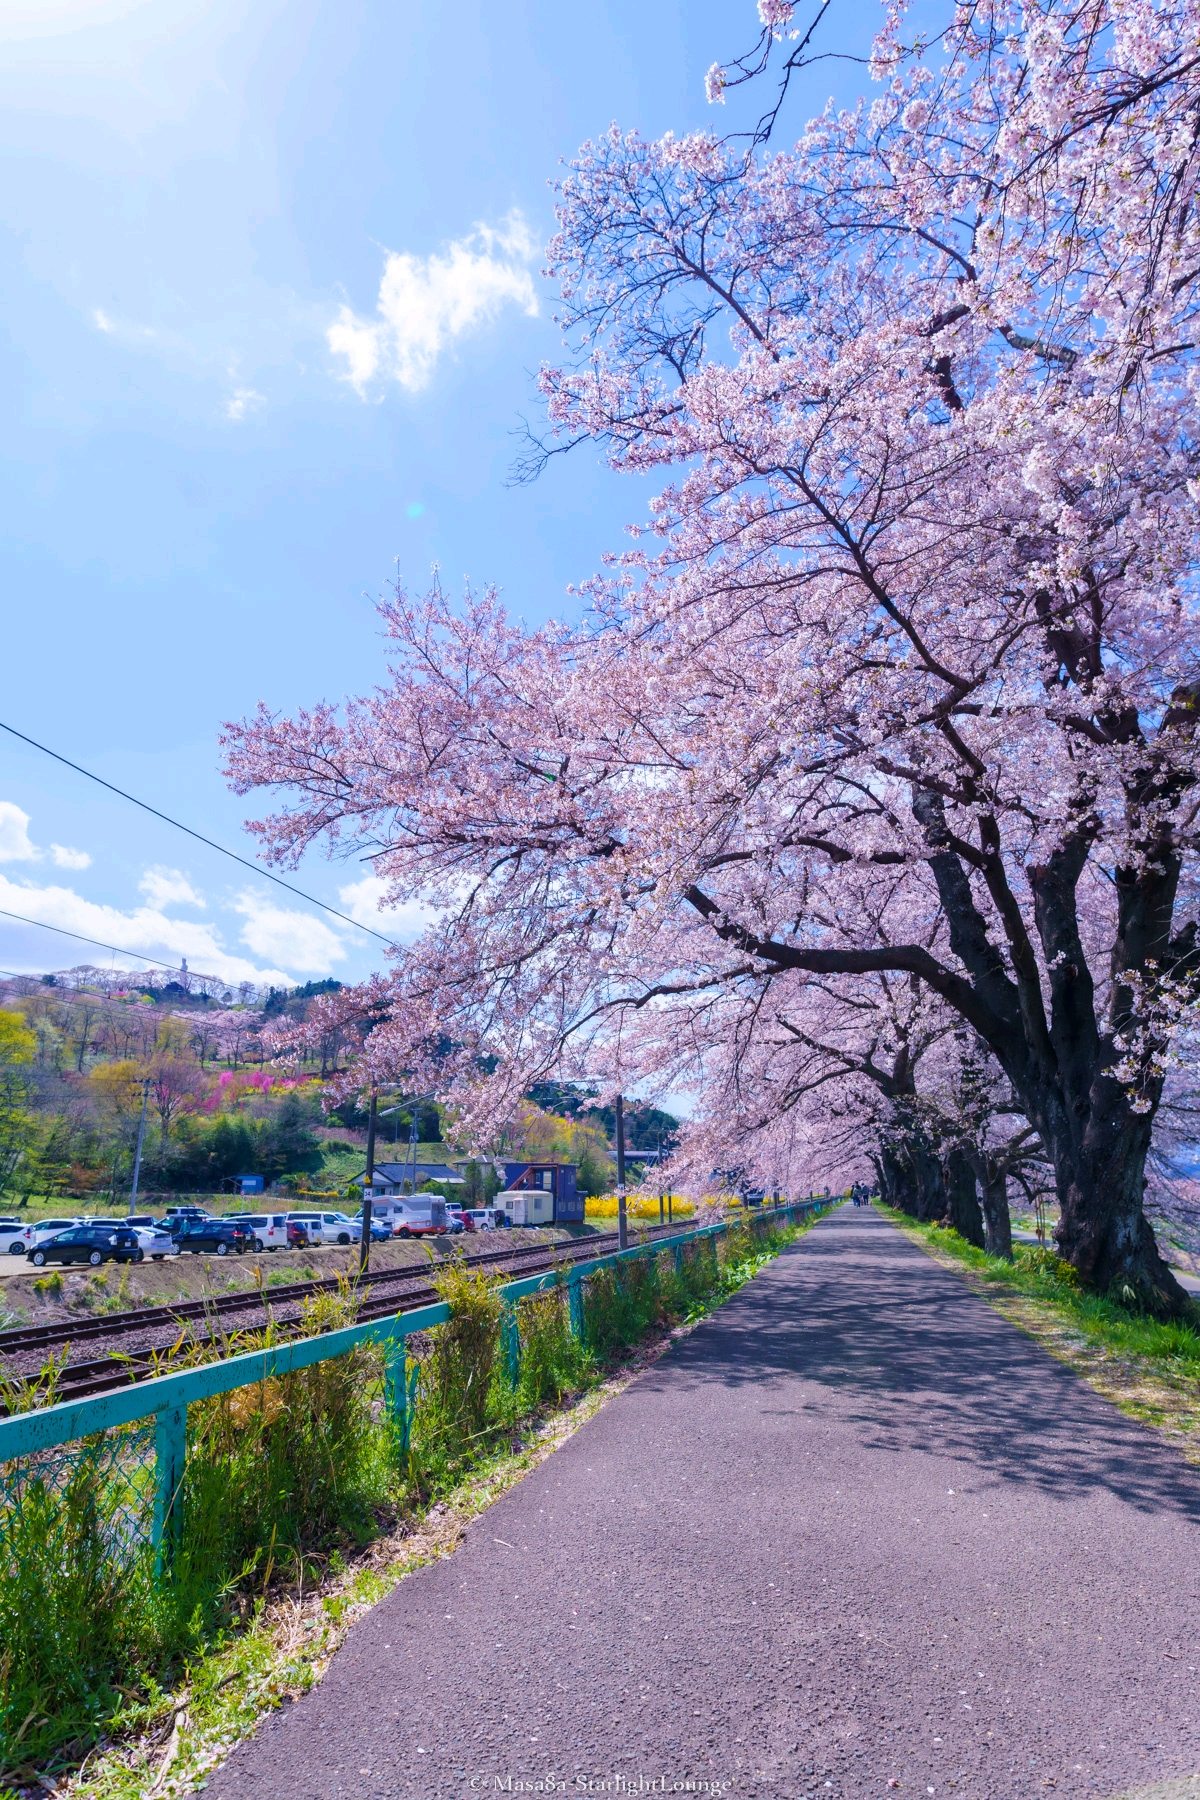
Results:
275 1472
280 1476
553 1361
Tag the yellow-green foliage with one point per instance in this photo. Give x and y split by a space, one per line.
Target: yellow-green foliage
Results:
457 1376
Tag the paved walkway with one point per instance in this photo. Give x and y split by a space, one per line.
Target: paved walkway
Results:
853 1532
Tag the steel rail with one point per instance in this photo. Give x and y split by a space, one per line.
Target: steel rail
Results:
121 1368
32 1337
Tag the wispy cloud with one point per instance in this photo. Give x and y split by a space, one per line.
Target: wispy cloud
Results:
125 329
16 845
427 303
242 401
167 887
66 858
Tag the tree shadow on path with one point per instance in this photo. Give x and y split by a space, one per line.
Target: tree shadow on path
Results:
855 1325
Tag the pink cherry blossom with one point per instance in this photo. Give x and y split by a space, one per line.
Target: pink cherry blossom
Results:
897 683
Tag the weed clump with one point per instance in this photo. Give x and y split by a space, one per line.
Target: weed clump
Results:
552 1359
457 1378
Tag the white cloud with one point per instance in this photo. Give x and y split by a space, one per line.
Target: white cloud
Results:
66 858
16 845
145 931
295 938
163 886
426 303
363 900
242 401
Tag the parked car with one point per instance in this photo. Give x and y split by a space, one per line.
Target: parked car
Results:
16 1238
219 1236
156 1242
455 1218
327 1227
381 1229
45 1229
297 1234
270 1229
486 1218
82 1243
127 1244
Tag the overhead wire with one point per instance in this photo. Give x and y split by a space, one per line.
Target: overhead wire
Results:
101 945
255 868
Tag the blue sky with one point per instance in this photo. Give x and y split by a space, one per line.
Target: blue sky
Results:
272 305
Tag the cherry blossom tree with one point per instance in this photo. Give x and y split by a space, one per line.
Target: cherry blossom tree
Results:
917 595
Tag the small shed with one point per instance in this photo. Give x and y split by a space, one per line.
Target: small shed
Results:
546 1193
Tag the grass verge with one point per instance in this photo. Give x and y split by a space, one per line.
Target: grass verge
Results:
476 1433
1148 1367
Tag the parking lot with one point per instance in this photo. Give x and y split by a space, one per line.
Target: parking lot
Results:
63 1292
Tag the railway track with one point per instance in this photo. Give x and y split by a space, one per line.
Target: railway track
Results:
135 1341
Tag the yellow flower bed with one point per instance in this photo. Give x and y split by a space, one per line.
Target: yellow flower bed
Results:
605 1207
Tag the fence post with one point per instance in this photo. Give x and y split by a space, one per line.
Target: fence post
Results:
575 1305
170 1456
679 1259
400 1390
511 1333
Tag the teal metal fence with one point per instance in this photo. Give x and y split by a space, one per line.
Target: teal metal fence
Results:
125 1451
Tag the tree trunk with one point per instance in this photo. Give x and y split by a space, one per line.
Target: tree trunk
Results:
992 1175
1102 1230
962 1198
897 1184
997 1223
930 1183
911 1180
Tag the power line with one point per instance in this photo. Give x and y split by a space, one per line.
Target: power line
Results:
255 868
116 948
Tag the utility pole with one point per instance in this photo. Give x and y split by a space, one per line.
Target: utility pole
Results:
414 1138
137 1155
622 1219
364 1247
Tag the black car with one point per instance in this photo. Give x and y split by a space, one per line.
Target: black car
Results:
217 1235
90 1244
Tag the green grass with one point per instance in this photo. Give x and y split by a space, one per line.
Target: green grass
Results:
1170 1346
284 1480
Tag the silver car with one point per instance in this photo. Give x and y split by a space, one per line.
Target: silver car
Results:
155 1242
15 1237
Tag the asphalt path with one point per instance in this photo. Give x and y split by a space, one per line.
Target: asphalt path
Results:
855 1533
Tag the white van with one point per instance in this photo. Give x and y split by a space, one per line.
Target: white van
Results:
487 1218
412 1215
270 1229
327 1227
